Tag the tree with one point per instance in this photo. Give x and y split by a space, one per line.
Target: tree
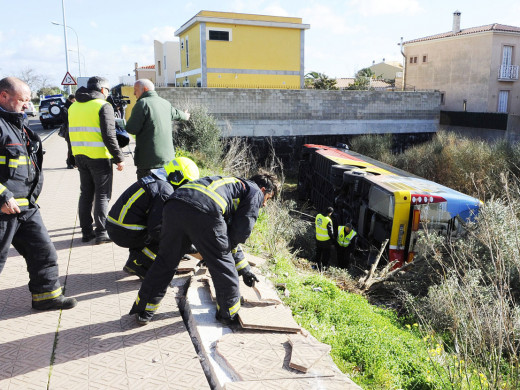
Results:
319 81
362 80
49 91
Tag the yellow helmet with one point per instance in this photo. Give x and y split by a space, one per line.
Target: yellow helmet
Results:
181 169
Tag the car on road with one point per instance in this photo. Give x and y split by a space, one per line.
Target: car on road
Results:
51 111
30 110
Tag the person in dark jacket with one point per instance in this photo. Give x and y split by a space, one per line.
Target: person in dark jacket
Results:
64 131
21 180
215 214
135 220
151 123
92 133
324 237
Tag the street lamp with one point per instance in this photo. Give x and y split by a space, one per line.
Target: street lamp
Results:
77 43
65 36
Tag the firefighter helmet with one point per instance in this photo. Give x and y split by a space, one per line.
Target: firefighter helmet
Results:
181 169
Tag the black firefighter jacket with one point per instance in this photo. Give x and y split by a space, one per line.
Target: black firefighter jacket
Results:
140 206
21 159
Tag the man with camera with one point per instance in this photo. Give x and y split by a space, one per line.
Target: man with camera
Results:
151 123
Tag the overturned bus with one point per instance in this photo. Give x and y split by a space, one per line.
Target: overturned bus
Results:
380 201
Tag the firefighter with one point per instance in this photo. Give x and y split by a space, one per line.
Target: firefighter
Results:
346 244
135 220
21 181
324 237
215 214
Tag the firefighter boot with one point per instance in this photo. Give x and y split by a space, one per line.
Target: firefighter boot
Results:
60 302
133 267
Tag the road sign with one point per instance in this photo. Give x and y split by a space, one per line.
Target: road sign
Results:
68 80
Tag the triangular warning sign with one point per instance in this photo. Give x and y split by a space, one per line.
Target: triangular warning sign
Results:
68 80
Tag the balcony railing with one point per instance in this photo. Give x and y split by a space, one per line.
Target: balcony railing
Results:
508 72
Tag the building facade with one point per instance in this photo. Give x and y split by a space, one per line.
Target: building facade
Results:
386 70
475 69
232 50
145 72
167 62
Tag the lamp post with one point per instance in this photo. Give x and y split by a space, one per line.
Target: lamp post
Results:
77 43
65 35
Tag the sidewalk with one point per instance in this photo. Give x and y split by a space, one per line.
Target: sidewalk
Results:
96 345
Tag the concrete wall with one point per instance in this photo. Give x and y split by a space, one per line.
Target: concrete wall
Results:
286 113
513 128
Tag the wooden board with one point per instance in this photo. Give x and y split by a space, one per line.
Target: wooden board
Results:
273 317
306 351
263 355
188 265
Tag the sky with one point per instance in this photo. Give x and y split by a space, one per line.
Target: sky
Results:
344 36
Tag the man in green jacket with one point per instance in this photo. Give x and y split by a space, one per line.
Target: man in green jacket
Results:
151 123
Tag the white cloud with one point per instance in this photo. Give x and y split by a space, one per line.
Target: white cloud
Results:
387 7
327 18
162 34
275 10
93 24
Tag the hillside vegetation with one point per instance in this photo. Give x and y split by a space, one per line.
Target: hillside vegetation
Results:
459 321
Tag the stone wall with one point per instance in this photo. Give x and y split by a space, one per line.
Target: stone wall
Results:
286 113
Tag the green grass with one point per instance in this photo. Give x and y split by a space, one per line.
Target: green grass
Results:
368 343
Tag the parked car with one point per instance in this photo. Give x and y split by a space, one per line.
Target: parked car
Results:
51 111
30 110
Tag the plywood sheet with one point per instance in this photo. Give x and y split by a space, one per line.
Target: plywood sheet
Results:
254 261
274 317
254 356
306 351
261 294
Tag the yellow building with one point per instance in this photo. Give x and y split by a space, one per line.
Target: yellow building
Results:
232 50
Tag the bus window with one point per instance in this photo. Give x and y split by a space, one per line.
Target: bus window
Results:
381 202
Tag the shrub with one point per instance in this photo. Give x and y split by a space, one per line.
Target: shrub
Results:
476 304
375 146
200 135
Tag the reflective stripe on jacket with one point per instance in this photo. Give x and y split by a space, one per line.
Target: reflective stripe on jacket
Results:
85 131
321 223
344 240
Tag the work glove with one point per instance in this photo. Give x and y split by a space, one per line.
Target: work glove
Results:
249 278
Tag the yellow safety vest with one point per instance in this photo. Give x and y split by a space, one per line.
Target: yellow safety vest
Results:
344 240
85 131
322 233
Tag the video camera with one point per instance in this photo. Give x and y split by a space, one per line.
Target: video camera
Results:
119 103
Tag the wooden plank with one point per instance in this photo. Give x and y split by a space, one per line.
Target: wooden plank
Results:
306 351
273 317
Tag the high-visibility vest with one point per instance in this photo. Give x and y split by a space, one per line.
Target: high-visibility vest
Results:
344 240
322 234
85 131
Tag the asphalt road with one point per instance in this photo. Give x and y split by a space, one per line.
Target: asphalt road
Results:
35 125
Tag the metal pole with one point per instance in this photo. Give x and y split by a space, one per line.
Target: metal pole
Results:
66 46
77 43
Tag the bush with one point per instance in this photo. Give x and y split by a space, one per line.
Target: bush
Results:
375 146
200 135
476 304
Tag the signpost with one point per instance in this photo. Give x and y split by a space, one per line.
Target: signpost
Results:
68 80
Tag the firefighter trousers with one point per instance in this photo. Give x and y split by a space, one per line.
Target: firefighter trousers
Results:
209 235
142 251
30 238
